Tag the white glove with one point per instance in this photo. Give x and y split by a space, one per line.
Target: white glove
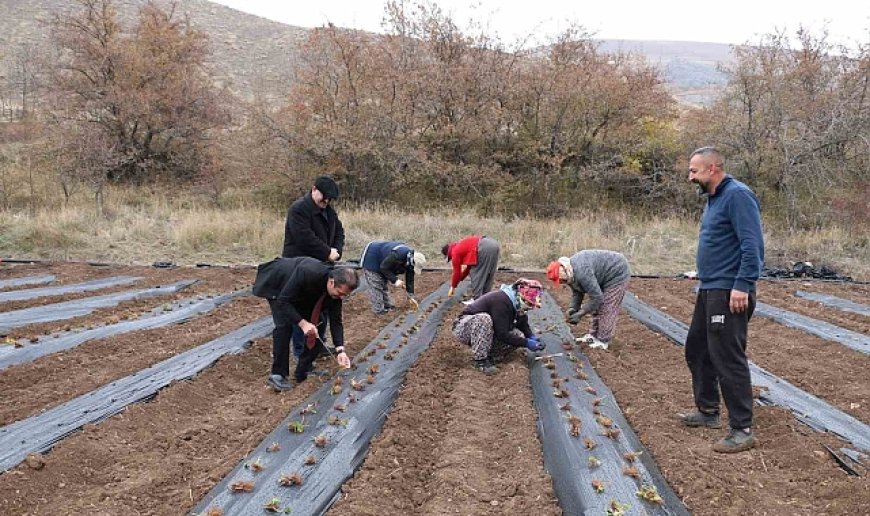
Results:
334 255
399 283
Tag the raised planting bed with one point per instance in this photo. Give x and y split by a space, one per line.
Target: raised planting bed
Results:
39 433
775 391
597 462
26 350
27 280
302 464
835 302
60 290
81 307
790 472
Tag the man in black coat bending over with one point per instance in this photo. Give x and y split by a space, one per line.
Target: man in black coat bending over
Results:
303 293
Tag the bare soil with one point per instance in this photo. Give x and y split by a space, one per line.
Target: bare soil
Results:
789 473
163 456
831 371
457 442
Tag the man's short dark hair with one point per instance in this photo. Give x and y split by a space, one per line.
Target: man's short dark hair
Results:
344 276
711 154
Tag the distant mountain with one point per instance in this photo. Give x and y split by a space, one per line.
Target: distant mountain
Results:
690 68
256 56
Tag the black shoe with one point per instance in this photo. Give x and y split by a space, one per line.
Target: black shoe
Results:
485 366
279 383
736 441
698 418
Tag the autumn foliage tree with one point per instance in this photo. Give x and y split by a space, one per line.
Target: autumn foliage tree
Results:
133 106
431 112
795 123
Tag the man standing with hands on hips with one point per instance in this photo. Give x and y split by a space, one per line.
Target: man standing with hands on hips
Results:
729 261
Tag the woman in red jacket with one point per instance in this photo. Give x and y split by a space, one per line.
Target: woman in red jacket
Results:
479 255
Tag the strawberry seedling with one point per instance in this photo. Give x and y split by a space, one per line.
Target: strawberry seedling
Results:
598 485
649 493
242 486
294 479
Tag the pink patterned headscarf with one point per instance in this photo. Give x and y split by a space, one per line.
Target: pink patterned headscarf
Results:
529 291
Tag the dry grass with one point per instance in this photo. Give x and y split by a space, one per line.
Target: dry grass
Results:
143 225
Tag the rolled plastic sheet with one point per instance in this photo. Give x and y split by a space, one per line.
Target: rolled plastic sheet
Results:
805 407
39 433
835 302
176 313
827 331
27 280
82 307
587 481
347 438
61 290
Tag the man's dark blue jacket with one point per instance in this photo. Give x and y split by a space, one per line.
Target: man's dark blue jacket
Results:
731 243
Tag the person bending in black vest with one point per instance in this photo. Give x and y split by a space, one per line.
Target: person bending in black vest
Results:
303 293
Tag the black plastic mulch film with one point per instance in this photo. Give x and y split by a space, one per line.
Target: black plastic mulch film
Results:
805 407
821 329
27 280
81 307
60 290
159 317
599 462
835 302
346 426
39 433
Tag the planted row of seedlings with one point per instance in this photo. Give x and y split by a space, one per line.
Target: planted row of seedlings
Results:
597 462
791 470
185 439
302 464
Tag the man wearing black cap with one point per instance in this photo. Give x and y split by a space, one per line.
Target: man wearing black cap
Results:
313 229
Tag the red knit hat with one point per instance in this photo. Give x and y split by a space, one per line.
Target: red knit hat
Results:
553 272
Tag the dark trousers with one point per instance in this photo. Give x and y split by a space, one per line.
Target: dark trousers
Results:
716 355
285 331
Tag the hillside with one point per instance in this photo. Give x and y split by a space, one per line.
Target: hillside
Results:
252 55
256 56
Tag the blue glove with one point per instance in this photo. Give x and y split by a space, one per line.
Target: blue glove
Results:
534 344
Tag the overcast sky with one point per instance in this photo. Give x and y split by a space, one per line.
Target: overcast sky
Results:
731 21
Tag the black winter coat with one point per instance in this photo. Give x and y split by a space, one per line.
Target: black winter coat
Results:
310 231
295 285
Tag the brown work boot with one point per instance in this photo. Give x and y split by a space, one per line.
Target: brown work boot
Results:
736 441
698 419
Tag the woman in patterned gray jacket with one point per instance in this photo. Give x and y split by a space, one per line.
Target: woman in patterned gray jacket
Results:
603 275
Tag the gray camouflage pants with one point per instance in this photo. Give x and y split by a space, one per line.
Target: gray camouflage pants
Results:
476 331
